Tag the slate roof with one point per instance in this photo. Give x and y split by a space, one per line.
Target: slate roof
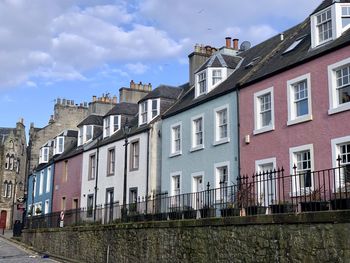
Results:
92 120
69 133
163 91
327 3
272 60
123 108
220 60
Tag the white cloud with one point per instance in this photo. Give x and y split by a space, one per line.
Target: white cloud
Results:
63 39
31 84
137 68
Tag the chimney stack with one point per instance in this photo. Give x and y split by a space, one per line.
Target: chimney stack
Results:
228 42
235 43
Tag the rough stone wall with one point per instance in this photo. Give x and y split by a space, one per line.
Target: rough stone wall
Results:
309 237
14 145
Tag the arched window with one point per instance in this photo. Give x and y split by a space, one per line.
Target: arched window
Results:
9 189
4 189
11 162
18 163
7 161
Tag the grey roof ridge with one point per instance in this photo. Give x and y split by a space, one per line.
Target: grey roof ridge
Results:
222 60
177 100
270 55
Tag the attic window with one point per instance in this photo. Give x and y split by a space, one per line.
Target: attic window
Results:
253 62
294 45
324 26
345 16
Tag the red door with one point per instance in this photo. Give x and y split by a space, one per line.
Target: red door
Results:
3 219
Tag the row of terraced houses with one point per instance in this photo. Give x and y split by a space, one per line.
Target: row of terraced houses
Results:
245 111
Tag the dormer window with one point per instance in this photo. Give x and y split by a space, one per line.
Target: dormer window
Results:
216 76
44 155
111 124
146 116
324 26
345 16
330 23
89 131
143 112
107 126
154 108
202 82
85 134
59 145
208 79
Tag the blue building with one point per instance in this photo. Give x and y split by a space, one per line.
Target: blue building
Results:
40 184
200 133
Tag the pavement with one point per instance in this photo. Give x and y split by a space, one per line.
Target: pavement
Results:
14 251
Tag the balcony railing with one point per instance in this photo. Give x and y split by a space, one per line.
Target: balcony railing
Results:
270 192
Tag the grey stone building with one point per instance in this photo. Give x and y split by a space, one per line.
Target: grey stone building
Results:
12 172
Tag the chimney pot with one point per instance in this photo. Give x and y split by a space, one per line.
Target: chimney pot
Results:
228 42
93 98
235 43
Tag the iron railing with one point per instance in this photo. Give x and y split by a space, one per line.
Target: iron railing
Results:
268 192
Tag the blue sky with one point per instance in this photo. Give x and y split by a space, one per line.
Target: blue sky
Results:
75 49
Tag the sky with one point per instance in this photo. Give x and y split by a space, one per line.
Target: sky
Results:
75 49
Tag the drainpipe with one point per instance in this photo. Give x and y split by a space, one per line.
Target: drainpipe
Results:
96 177
238 134
147 171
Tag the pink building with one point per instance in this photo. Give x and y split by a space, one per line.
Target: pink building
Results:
295 107
67 181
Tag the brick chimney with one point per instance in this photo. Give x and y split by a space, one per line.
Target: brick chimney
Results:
235 43
228 42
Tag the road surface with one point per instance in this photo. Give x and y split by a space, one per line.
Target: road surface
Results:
10 253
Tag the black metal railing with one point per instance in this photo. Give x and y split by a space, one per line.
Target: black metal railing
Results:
269 192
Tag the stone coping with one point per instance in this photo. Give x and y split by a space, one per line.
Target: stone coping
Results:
299 218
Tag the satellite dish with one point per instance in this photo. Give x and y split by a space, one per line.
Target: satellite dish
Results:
245 45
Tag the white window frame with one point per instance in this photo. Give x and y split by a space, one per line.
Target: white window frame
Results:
334 106
226 139
57 145
85 133
194 146
151 117
219 78
107 126
315 41
113 124
44 158
198 81
173 152
143 118
48 179
292 161
172 186
292 118
257 120
345 5
335 152
41 183
81 136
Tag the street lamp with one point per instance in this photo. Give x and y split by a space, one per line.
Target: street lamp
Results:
126 132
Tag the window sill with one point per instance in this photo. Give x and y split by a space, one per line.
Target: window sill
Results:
344 107
300 119
197 148
221 141
264 129
175 154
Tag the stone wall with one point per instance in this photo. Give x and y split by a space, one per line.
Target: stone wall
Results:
308 237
